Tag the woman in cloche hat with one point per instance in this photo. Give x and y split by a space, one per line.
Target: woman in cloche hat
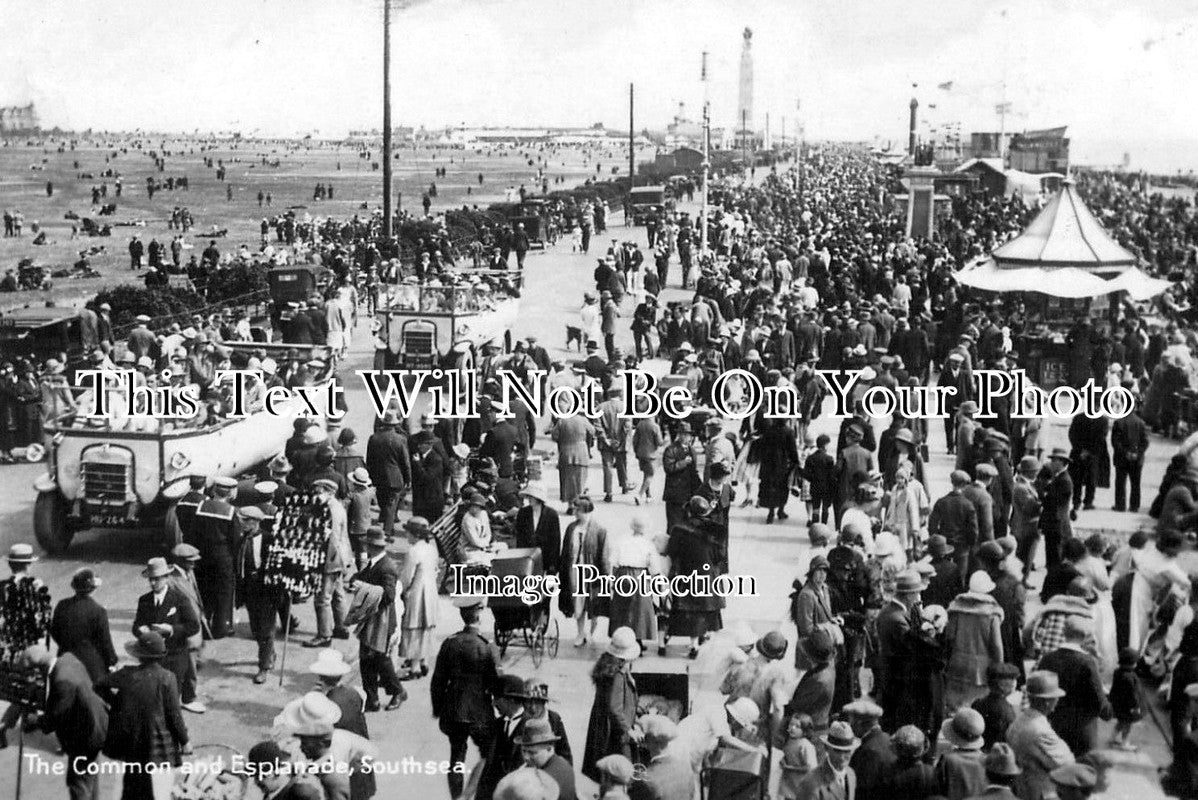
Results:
613 713
419 579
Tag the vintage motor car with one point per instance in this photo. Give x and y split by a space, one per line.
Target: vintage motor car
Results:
293 284
40 333
113 472
425 326
644 201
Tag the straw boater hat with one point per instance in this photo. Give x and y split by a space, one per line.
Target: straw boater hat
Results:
314 435
360 477
330 663
21 554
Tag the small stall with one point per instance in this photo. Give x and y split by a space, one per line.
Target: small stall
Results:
1066 267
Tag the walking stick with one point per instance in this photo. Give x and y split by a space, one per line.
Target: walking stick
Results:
286 636
20 750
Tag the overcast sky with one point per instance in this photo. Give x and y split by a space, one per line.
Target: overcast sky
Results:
1116 72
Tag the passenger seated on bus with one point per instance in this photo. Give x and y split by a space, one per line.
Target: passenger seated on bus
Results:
476 530
406 298
270 373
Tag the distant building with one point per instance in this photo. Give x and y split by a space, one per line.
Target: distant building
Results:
18 119
997 183
1040 151
989 144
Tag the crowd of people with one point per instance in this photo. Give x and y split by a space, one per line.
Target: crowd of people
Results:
914 600
918 666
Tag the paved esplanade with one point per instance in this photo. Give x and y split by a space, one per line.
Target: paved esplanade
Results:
240 713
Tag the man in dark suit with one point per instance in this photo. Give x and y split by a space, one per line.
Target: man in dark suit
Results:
536 706
874 759
894 627
80 627
504 755
1129 440
166 612
75 713
537 525
813 696
390 468
833 779
299 329
1076 716
260 600
464 683
373 659
145 725
502 441
1056 495
538 743
956 519
957 376
428 478
945 584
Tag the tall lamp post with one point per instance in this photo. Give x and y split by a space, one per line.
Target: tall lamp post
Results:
387 213
706 161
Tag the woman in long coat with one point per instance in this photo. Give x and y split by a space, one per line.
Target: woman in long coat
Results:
777 455
973 641
420 602
694 548
613 714
585 544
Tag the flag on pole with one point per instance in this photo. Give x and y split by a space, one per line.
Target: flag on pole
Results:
946 86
